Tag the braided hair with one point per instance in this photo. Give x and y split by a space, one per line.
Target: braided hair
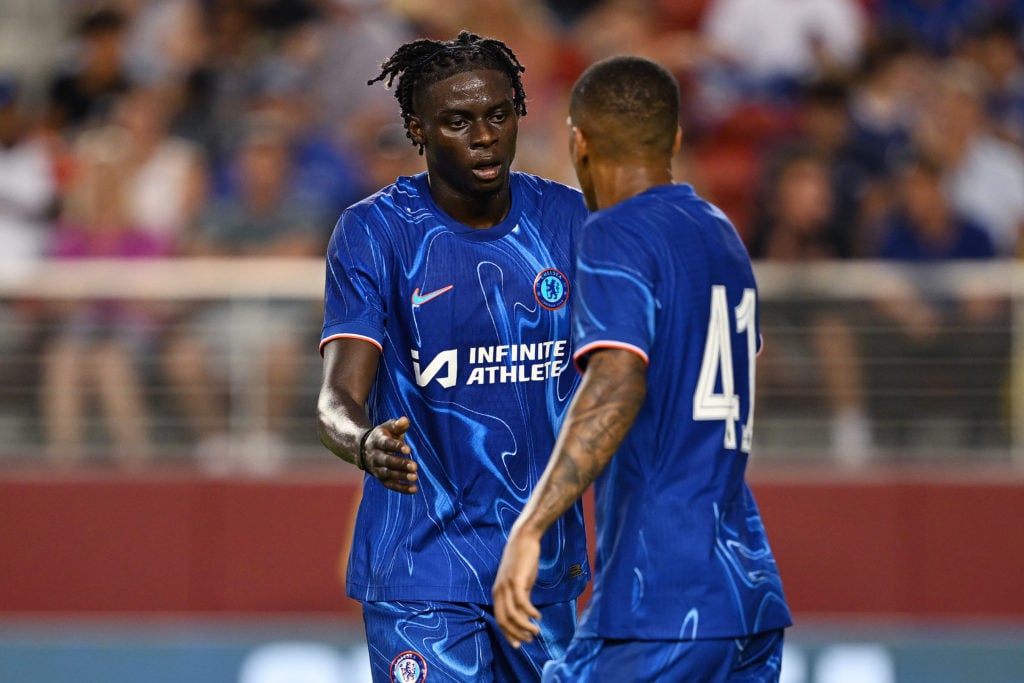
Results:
423 62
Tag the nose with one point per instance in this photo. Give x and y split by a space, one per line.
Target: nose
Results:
483 134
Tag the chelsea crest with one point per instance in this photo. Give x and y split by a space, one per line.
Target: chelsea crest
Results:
551 289
409 667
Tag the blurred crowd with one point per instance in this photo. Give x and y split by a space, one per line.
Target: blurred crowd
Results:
826 129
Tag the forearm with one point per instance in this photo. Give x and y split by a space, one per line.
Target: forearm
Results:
341 423
349 368
601 414
344 426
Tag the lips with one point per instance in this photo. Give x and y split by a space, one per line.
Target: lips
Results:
488 170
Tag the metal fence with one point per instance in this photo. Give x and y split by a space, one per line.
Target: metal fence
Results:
213 362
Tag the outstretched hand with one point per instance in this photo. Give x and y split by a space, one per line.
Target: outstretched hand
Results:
517 573
386 456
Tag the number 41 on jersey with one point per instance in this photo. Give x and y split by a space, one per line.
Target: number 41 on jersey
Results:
716 368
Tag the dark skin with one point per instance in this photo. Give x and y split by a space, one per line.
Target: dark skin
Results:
349 369
468 127
603 411
607 402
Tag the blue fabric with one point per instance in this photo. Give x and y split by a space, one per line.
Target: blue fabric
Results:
752 659
681 549
475 334
456 643
902 241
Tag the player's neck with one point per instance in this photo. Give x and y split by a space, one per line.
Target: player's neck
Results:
477 211
617 182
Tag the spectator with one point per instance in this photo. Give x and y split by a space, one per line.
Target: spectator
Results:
27 199
936 25
924 227
984 175
887 89
83 88
27 183
219 91
956 345
167 187
995 47
265 218
823 125
795 226
98 344
884 104
385 150
769 46
358 36
166 41
327 174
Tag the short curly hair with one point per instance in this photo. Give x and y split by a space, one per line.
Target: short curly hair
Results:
631 101
423 62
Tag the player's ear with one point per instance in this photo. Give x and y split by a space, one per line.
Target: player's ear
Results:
678 142
578 144
416 130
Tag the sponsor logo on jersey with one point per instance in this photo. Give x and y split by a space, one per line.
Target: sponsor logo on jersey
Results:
420 299
501 364
409 667
551 289
446 360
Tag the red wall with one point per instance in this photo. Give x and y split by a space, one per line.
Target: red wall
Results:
898 546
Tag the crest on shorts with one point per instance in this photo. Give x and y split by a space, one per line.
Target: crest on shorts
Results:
409 667
551 288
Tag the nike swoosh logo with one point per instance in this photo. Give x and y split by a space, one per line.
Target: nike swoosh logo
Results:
420 299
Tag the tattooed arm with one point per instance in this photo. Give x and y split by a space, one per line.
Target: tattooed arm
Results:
601 414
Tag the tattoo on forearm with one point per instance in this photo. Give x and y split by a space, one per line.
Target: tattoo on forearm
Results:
606 404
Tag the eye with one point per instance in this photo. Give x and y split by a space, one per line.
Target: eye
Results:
457 123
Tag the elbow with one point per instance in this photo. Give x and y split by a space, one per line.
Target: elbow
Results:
323 422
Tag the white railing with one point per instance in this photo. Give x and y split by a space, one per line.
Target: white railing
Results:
980 419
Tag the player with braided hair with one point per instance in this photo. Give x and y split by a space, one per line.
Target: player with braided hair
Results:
446 345
427 61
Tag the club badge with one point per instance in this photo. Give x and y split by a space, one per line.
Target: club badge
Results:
551 289
409 667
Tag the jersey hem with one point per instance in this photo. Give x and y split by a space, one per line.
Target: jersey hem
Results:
607 344
349 335
584 632
364 593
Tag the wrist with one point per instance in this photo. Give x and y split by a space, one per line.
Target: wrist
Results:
526 529
360 460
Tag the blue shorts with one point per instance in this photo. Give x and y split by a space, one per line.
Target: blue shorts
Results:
454 642
754 659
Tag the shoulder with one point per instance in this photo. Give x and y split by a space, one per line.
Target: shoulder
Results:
398 201
976 240
659 208
991 150
546 190
540 184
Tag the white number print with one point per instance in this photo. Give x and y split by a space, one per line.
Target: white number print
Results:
717 367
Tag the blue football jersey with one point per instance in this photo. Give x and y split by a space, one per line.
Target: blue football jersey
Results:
682 552
475 337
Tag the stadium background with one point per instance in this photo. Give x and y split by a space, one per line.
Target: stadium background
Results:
208 544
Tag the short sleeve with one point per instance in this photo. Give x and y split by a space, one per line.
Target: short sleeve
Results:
356 280
615 303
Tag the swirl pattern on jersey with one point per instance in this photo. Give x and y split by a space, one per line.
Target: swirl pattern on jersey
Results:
483 371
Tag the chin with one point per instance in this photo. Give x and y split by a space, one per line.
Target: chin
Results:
488 187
